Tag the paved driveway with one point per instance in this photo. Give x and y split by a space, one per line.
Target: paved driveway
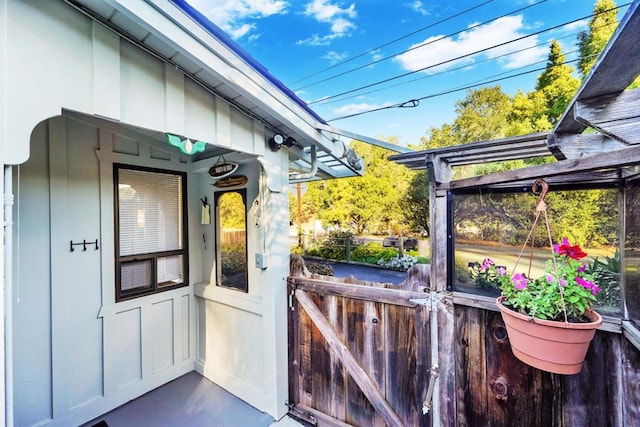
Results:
363 272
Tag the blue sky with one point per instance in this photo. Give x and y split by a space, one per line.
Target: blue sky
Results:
325 49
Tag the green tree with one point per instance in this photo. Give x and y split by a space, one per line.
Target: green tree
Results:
482 115
416 202
557 83
602 25
528 114
371 202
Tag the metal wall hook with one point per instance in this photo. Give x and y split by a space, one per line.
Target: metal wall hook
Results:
84 244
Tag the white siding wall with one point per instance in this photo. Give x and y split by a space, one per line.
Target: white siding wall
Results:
78 354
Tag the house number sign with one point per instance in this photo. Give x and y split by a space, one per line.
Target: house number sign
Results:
220 170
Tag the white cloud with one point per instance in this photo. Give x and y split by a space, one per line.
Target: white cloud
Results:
376 55
438 49
417 6
349 109
340 20
230 15
334 57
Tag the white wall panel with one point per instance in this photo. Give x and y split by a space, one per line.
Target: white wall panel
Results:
234 346
142 96
127 347
199 112
32 288
162 325
184 322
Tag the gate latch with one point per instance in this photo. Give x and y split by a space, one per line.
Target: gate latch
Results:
431 302
428 400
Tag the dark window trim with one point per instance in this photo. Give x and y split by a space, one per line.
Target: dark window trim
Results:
514 189
156 288
216 197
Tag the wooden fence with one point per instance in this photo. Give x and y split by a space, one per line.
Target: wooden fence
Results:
359 352
360 355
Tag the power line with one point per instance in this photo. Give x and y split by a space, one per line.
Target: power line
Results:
391 42
461 56
420 45
416 102
323 102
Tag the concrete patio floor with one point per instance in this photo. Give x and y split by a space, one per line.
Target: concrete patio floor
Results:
188 401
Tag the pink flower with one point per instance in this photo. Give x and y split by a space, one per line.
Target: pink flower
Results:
486 264
550 278
501 271
519 281
585 283
582 268
562 282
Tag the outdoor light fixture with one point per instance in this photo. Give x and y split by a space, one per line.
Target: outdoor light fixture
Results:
290 142
275 142
186 145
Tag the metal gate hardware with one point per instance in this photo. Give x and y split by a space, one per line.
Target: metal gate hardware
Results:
292 294
431 302
305 416
426 406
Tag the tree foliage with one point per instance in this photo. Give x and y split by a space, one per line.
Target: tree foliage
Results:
557 83
602 25
391 199
368 203
416 202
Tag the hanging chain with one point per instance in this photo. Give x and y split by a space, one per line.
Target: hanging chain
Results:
541 186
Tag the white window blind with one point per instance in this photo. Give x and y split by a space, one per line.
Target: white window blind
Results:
150 211
136 275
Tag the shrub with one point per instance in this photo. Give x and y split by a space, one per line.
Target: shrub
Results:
399 263
320 268
234 259
335 246
607 275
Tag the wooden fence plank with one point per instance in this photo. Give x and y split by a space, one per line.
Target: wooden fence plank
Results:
401 363
516 391
305 379
364 334
445 394
598 385
631 383
329 376
422 375
294 332
365 293
471 368
365 383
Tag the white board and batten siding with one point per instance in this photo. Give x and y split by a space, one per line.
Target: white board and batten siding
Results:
77 353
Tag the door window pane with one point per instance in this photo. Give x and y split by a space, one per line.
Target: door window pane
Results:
232 240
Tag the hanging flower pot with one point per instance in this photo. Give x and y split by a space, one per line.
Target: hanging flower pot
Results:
552 346
549 319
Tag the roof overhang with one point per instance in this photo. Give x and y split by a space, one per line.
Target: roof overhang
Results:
174 32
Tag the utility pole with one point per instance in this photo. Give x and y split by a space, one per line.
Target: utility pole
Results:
299 201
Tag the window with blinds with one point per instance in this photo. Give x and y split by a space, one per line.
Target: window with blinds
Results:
150 231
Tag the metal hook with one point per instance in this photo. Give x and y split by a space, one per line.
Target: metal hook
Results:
540 185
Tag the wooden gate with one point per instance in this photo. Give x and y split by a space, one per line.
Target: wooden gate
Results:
359 353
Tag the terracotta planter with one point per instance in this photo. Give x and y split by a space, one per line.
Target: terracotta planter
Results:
551 346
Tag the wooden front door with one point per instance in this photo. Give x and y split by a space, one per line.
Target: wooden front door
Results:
359 354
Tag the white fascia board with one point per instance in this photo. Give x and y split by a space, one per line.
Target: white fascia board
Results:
179 31
373 141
